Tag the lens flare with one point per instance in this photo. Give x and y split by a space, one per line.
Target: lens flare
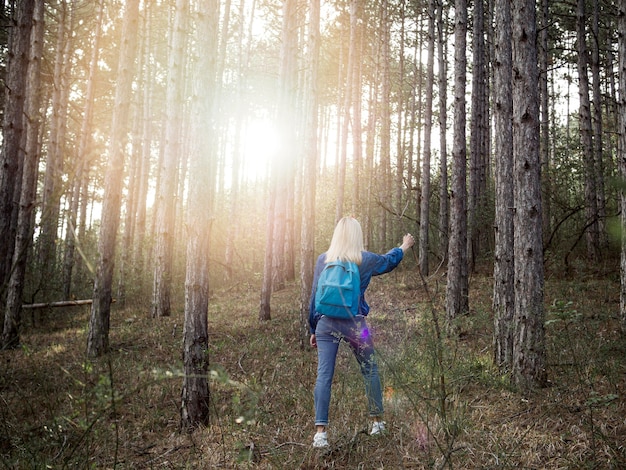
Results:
365 334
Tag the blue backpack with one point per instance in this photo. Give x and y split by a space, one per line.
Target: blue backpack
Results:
338 290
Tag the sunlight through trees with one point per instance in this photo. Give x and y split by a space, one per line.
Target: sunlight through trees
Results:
157 153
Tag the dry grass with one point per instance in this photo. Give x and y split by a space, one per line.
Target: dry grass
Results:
60 410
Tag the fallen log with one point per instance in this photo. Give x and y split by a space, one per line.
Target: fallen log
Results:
62 303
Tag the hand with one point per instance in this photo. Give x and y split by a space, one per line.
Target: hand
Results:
407 242
313 341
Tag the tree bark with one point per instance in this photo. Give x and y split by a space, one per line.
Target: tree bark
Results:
477 159
265 311
401 113
233 229
12 130
53 183
282 170
167 190
424 244
140 249
24 236
546 174
195 392
307 247
346 115
457 289
586 140
503 272
442 83
285 162
598 141
98 338
529 340
384 180
357 131
82 163
622 153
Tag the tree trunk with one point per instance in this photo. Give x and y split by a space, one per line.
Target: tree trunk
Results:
546 174
285 165
424 244
503 272
621 73
307 247
81 166
12 129
401 113
280 171
132 193
477 159
242 62
53 182
266 287
12 320
195 392
384 180
584 113
167 190
419 43
140 242
457 289
357 131
82 264
443 128
346 117
372 118
98 338
529 341
598 142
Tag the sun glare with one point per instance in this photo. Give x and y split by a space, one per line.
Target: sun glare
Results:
259 144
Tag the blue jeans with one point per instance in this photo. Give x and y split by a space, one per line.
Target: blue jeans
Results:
329 333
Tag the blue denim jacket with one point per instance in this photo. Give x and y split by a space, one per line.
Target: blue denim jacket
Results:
372 265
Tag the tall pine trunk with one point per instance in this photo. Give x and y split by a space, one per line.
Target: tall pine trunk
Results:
384 180
545 115
98 337
81 166
622 153
53 183
12 130
195 392
477 159
401 113
357 131
307 247
442 83
285 163
282 167
24 235
424 244
346 115
147 72
503 272
598 141
457 289
167 189
586 140
529 340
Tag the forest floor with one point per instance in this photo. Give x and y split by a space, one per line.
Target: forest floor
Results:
446 405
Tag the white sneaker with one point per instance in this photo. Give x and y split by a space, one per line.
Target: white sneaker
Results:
320 439
377 428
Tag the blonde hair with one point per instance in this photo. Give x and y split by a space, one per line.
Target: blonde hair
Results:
347 242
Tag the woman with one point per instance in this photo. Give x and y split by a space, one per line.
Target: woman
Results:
327 333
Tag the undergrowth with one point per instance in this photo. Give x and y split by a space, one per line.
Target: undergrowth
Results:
446 405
